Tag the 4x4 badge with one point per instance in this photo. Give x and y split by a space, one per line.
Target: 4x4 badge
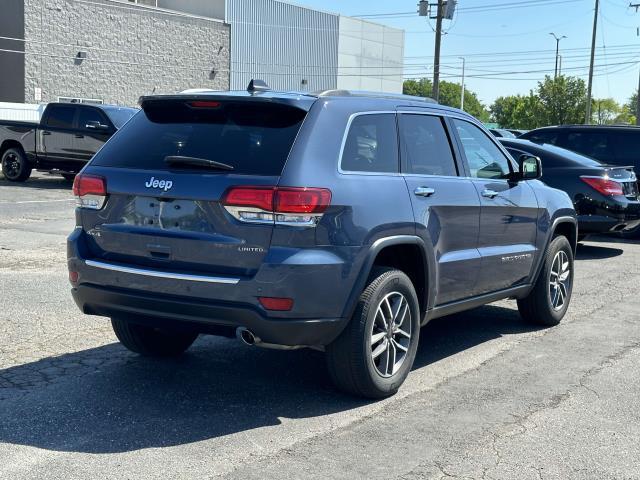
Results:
155 183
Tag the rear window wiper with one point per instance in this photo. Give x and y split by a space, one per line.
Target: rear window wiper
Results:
196 162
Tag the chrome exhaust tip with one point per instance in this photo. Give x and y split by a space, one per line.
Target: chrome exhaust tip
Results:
245 336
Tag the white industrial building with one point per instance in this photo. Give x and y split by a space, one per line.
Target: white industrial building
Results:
295 47
113 51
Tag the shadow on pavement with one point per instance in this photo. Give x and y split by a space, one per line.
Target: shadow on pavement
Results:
596 252
106 400
40 182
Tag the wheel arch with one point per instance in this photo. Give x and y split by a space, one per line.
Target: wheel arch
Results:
7 144
406 253
563 225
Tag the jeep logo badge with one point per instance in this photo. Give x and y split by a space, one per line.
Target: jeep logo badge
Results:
155 183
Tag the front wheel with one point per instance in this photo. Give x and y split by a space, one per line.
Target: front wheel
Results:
149 341
15 166
374 354
549 300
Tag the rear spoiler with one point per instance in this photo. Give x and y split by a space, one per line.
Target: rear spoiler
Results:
302 102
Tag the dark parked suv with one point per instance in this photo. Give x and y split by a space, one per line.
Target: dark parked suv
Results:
338 220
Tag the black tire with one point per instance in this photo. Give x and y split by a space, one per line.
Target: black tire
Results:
151 342
538 307
349 357
69 177
15 166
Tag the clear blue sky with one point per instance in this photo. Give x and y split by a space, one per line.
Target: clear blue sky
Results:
490 38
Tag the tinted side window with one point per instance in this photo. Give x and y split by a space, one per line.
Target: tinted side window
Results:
371 144
485 159
87 115
425 146
61 116
593 144
543 137
627 146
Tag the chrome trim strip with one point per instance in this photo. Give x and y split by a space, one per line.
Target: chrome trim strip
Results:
158 274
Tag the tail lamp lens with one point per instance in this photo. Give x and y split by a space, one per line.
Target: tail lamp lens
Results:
90 191
283 205
604 185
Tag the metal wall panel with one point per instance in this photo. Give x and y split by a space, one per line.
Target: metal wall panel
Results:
288 46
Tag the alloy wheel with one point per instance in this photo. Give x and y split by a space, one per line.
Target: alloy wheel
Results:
559 280
391 334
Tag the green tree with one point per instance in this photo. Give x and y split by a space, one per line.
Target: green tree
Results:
632 107
562 100
516 111
449 95
605 111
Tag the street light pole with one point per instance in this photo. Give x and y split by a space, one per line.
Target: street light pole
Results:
587 117
462 94
557 51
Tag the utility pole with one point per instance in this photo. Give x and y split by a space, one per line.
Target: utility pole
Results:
557 51
587 119
462 94
637 6
436 61
638 103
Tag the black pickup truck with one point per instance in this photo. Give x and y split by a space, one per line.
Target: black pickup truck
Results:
66 138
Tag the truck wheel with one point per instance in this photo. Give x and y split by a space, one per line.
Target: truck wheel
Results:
149 341
548 301
374 354
15 167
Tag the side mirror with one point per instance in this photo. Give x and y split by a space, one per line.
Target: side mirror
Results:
95 125
530 167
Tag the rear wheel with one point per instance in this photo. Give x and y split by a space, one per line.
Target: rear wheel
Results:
149 341
374 354
548 301
15 166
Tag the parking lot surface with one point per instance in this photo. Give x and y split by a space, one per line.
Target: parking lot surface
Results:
489 396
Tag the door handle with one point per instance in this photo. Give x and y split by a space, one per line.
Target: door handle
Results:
424 191
45 132
489 193
79 135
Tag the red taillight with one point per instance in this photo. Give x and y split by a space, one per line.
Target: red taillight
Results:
277 304
302 200
90 191
285 205
603 185
256 197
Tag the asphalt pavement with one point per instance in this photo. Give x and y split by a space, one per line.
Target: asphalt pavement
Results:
489 395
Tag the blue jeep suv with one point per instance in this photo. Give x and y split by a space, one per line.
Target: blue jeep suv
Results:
342 221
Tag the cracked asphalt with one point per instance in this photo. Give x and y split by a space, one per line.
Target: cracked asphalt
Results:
489 397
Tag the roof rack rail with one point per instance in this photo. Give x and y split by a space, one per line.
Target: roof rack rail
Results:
364 93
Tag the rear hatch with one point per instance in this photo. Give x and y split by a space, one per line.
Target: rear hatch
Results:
167 171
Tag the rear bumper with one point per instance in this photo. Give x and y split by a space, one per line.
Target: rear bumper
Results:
606 224
203 316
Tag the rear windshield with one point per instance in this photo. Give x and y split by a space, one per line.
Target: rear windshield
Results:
253 138
120 116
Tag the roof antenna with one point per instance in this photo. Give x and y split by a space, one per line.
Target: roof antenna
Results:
257 85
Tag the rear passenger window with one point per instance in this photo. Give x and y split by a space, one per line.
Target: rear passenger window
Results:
592 144
425 146
61 116
543 137
371 144
627 146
